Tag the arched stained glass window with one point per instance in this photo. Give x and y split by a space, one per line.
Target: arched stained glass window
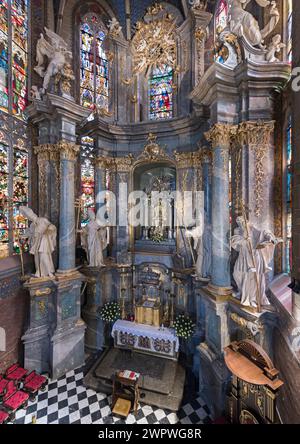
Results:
87 178
161 93
289 181
94 66
13 143
221 18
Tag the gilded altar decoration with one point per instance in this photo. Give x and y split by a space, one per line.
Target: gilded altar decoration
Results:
154 45
257 135
251 328
68 150
220 135
152 150
64 79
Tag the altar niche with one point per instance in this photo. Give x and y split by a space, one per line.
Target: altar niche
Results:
157 230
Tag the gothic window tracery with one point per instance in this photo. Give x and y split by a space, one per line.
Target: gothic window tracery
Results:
94 65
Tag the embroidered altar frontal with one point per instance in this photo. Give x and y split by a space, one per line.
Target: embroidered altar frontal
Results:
146 339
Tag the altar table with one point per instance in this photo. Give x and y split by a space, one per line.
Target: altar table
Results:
146 339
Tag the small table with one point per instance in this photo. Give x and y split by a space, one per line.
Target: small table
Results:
126 394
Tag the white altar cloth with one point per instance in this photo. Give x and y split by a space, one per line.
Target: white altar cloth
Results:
142 330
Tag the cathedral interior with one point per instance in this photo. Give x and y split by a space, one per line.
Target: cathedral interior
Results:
149 211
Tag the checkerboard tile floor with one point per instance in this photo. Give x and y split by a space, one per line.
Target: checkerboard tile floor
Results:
67 401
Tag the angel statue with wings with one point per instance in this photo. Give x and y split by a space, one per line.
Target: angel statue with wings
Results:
56 50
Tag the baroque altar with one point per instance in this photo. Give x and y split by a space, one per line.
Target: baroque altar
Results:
146 339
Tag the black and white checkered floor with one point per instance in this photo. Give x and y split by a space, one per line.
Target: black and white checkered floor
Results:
67 401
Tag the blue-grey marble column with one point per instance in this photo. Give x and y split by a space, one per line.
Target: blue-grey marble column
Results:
220 136
206 183
68 154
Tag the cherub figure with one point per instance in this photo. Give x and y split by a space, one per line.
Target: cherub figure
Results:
275 47
114 27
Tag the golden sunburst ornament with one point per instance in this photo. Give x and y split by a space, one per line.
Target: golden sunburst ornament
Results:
154 44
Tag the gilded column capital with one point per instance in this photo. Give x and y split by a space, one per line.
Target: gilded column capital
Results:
100 162
184 160
255 133
220 135
124 164
68 150
47 151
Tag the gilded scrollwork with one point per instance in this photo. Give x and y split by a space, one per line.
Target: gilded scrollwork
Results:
153 151
257 136
154 44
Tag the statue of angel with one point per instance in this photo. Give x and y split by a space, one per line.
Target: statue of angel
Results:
275 47
42 240
242 22
114 27
56 50
94 240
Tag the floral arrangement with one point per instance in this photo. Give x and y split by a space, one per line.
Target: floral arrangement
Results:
110 312
184 327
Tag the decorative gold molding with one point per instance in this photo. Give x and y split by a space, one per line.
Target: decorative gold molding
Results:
154 44
257 135
184 160
124 164
100 162
153 151
68 150
220 135
48 151
193 159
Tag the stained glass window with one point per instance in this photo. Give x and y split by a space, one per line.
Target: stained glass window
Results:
289 179
161 93
13 101
14 41
94 66
13 193
87 178
222 15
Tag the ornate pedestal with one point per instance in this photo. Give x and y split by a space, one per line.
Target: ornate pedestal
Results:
94 334
37 338
67 341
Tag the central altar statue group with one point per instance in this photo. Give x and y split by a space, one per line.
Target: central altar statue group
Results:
255 252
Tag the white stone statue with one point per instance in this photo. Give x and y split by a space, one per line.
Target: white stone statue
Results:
35 93
56 50
275 47
202 245
94 241
42 241
256 251
114 27
199 5
242 22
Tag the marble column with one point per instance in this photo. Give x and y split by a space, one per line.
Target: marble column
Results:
206 184
68 155
220 137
